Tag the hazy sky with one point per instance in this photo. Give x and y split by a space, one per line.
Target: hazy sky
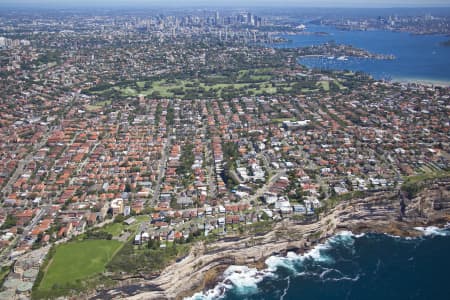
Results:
228 3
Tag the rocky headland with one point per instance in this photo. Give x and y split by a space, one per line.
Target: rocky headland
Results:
391 212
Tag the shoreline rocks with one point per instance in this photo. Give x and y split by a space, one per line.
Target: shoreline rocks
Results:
378 213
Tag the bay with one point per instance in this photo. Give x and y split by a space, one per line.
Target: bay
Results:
419 58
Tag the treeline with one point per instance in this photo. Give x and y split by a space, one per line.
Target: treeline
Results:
98 235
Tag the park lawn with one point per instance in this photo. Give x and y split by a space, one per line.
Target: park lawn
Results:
426 169
97 105
281 120
76 261
218 77
4 271
142 218
115 229
161 87
325 85
257 77
264 71
305 90
103 103
339 84
93 107
221 86
260 71
264 89
415 179
260 77
128 91
242 73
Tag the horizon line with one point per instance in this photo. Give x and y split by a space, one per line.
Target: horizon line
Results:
223 5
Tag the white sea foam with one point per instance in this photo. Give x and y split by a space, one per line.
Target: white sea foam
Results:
346 278
287 288
330 274
325 273
408 238
393 236
345 238
244 280
208 295
344 233
426 231
433 230
292 260
289 262
318 254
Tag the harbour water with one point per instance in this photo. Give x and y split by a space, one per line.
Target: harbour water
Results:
418 57
347 266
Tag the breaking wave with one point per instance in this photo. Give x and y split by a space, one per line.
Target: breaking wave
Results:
242 279
433 230
345 263
315 263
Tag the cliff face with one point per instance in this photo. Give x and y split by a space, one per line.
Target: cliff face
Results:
388 212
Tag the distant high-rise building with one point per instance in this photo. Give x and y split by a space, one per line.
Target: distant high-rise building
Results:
258 21
217 18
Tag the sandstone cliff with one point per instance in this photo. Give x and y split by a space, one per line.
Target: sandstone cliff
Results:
384 212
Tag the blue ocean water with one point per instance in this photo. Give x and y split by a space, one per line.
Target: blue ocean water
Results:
370 266
418 57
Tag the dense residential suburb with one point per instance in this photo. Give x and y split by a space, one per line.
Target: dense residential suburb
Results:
151 133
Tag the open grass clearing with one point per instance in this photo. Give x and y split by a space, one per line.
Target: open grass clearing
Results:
426 176
76 261
115 229
140 84
242 83
97 105
281 120
324 84
339 84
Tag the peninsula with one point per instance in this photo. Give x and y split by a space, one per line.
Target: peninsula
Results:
334 50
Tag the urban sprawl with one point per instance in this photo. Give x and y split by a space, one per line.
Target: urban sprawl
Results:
159 131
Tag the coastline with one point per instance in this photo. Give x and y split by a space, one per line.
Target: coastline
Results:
422 81
247 279
203 268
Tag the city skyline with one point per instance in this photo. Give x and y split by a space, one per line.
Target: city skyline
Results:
232 3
